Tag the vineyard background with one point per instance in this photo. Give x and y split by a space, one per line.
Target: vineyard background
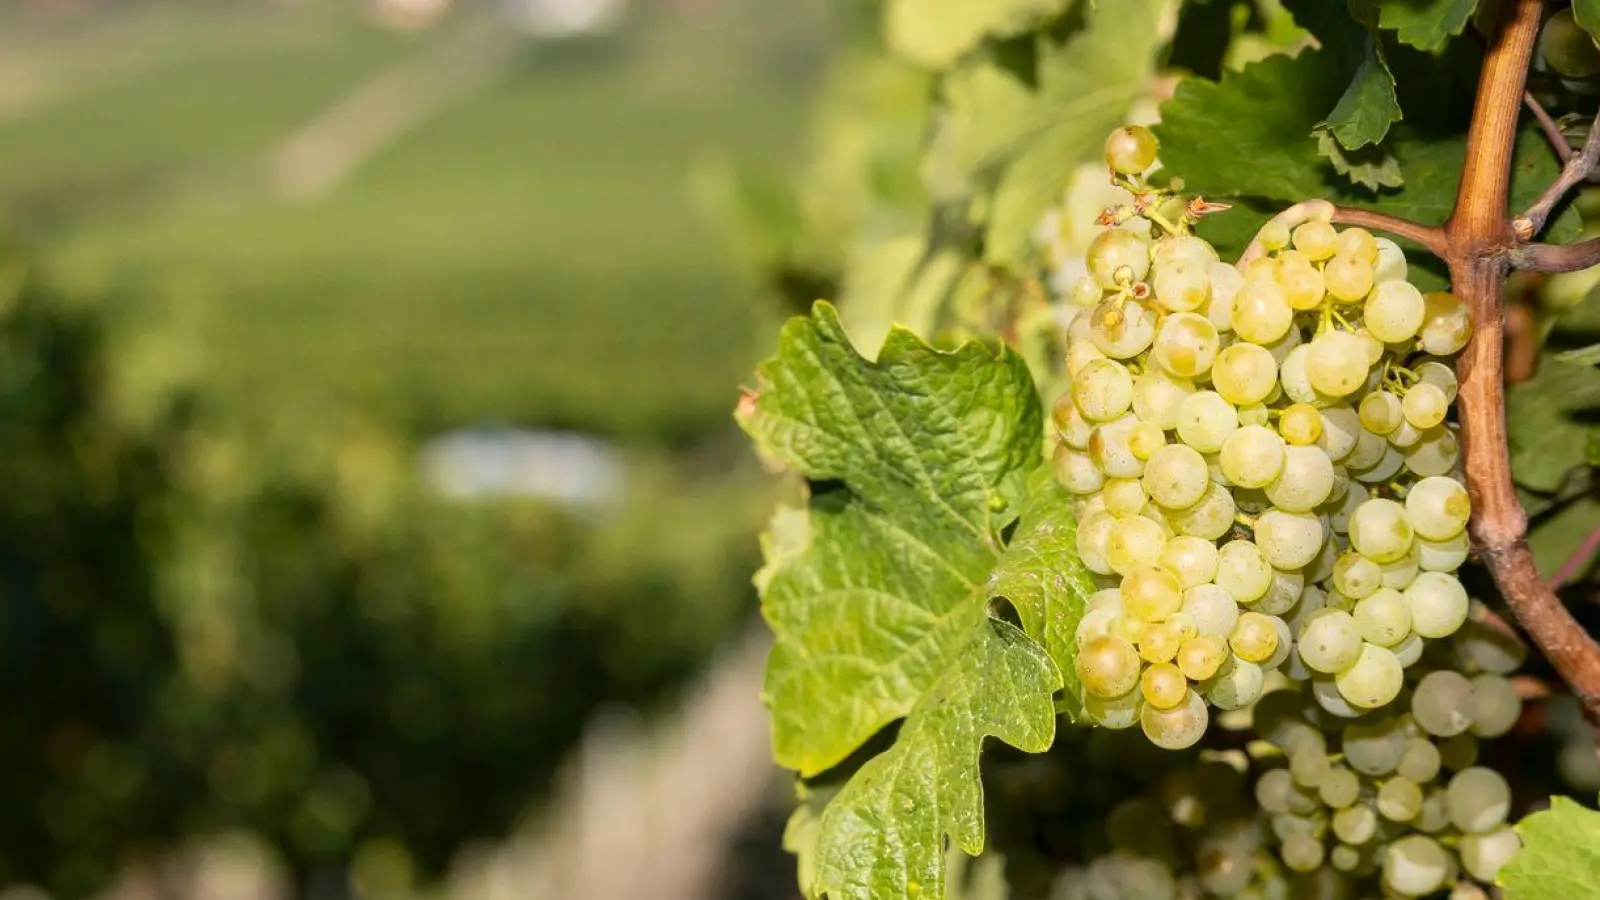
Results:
375 524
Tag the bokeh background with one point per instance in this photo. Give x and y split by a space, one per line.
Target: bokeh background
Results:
372 524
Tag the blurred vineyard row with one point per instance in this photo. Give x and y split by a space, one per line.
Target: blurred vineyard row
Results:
232 598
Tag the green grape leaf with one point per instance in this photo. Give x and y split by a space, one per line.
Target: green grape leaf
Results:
1025 139
1425 24
1044 579
1551 420
1371 167
936 33
883 833
1583 356
1266 114
1587 14
1369 105
915 461
1560 855
1555 535
879 592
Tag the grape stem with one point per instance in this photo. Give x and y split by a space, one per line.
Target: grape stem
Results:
1429 236
1576 168
1552 131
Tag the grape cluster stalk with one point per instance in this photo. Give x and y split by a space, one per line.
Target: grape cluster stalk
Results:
1268 488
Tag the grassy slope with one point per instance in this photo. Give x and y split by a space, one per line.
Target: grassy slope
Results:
533 254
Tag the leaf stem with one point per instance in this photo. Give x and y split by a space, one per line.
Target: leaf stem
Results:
1577 168
1552 131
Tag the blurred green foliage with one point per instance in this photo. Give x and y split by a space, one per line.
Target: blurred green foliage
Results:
210 622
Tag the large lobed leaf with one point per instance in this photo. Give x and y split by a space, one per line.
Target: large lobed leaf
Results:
1551 419
1425 24
1268 114
1368 105
879 592
1560 855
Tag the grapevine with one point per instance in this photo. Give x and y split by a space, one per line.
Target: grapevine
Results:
1244 571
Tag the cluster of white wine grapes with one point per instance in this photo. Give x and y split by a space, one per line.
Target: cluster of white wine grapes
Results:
1264 466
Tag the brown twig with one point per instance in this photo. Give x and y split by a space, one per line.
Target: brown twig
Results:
1429 236
1552 131
1557 257
1574 170
1480 244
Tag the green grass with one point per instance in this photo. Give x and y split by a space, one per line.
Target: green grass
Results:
533 254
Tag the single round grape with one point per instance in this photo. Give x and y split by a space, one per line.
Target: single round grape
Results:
1096 623
1305 480
1420 763
1398 575
1367 451
1163 685
1325 691
1302 853
1409 650
1225 284
1483 855
1330 642
1255 637
1159 643
1391 264
1355 824
1567 48
1157 396
1424 405
1185 345
1479 798
1443 703
1357 577
1109 448
1438 604
1201 656
1436 453
1415 866
1435 815
1073 427
1075 471
1131 149
1438 508
1357 243
1309 765
1288 540
1182 285
1381 531
1210 518
1261 314
1381 412
1108 666
1295 382
1176 476
1252 456
1374 680
1133 544
1080 355
1205 420
1440 376
1337 364
1481 647
1213 610
1459 752
1272 791
1144 439
1348 278
1115 713
1116 248
1394 311
1151 594
1191 559
1243 571
1236 685
1399 800
1093 535
1405 435
1124 496
1443 556
1446 324
1176 728
1122 328
1315 239
1086 292
1283 593
1340 788
1300 424
1302 283
1495 705
1244 373
1345 858
1383 617
1103 390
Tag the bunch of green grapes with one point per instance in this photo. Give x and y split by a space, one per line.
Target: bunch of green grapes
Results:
1265 473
